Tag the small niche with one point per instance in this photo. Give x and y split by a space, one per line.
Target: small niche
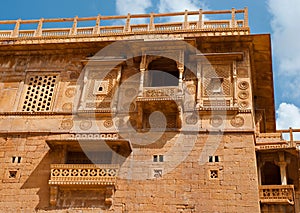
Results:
214 174
157 173
12 174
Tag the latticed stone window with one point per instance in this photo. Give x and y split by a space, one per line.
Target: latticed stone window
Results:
214 174
40 92
217 80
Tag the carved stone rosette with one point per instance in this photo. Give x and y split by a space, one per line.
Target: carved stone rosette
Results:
237 121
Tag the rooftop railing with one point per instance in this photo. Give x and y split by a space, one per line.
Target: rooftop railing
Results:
284 138
128 24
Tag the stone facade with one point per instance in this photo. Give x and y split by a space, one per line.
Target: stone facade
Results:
165 118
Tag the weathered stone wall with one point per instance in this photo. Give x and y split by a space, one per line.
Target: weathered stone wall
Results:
200 172
186 186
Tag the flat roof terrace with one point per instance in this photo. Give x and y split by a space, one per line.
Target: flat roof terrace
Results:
131 26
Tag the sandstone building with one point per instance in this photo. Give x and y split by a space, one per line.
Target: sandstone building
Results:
138 114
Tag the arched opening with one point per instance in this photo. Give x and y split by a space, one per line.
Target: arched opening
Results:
162 72
271 174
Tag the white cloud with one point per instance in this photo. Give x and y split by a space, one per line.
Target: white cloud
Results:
178 5
166 6
288 115
124 7
132 6
286 30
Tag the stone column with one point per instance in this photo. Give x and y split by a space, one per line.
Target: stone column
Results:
143 66
141 83
199 85
181 70
84 90
259 166
235 102
282 164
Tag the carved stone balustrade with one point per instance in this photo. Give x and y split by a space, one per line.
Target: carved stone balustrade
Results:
81 29
83 174
277 194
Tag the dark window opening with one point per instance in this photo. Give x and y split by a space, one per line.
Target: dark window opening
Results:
89 158
212 159
270 174
158 158
162 72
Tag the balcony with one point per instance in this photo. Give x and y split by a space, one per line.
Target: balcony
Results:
83 174
276 194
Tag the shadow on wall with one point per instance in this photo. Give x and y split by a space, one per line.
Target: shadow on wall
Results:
39 179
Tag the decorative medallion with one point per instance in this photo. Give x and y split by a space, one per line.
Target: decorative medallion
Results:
243 95
70 92
67 124
67 107
130 92
243 85
85 125
108 123
191 89
191 119
244 104
216 121
237 121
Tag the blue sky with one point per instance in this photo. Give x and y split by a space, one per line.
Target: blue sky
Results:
265 16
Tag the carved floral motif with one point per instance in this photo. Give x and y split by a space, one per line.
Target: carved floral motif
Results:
216 121
85 125
160 92
237 121
108 123
243 95
67 124
243 85
70 92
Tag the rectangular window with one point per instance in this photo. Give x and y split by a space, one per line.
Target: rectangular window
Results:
158 158
213 159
